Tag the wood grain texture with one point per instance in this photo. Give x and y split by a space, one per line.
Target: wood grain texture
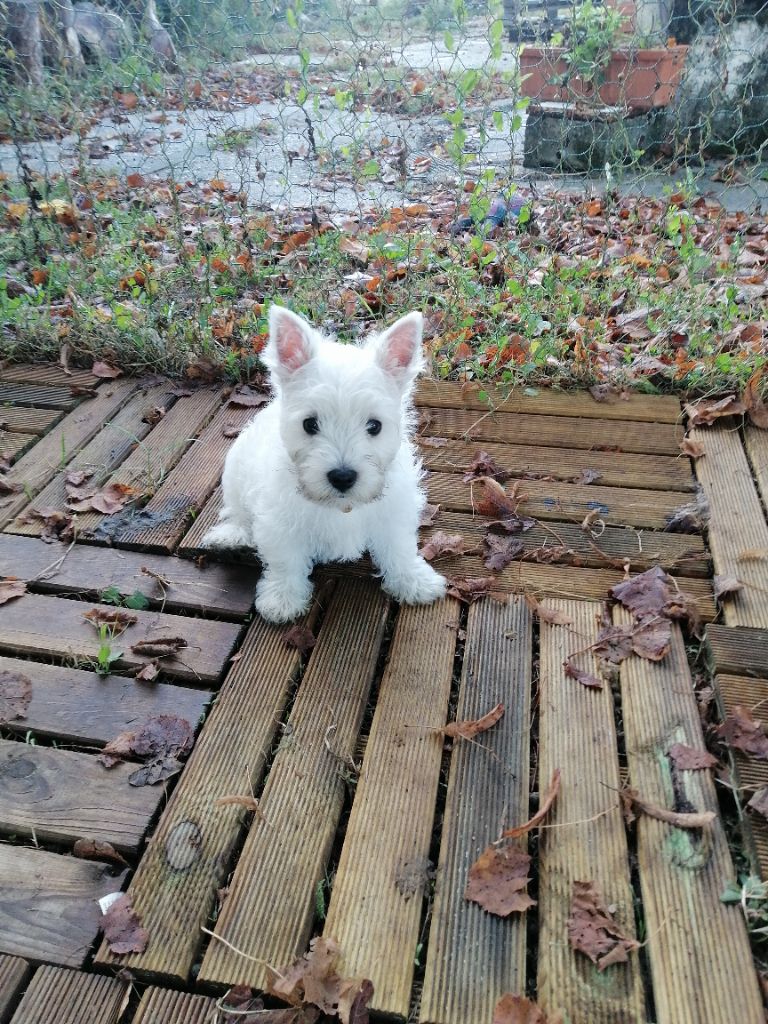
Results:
381 881
13 446
191 543
736 524
36 624
189 856
215 589
18 419
82 707
474 957
655 472
14 973
303 797
59 996
577 734
40 396
740 651
48 908
553 431
756 443
163 1006
59 796
60 445
48 373
692 935
547 402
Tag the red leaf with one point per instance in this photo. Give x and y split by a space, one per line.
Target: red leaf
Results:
468 730
122 928
593 931
689 759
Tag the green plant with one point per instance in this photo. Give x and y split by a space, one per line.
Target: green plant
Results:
106 654
752 895
137 601
594 33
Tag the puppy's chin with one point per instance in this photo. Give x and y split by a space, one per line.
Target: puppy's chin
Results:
329 498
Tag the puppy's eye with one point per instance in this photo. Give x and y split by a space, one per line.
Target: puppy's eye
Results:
373 427
311 426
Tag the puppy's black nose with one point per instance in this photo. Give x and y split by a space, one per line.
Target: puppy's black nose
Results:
343 478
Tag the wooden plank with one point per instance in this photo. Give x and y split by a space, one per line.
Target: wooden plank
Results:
190 543
14 973
474 957
164 1006
655 472
215 589
544 499
59 796
553 431
701 966
48 908
740 652
18 419
736 524
82 707
749 773
547 402
39 396
188 486
681 553
175 893
59 996
48 373
577 734
101 456
13 446
57 449
303 797
756 442
52 626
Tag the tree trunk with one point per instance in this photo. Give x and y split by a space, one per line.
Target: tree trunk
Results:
24 34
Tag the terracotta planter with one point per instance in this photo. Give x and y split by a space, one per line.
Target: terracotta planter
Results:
639 79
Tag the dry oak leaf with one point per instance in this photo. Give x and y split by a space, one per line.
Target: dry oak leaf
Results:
442 543
552 616
110 499
632 802
57 525
726 585
314 979
96 849
513 1009
161 737
484 466
593 931
15 696
467 730
582 676
544 808
741 732
10 588
689 759
301 638
115 617
498 880
692 448
757 410
428 515
654 593
704 412
500 550
105 371
470 591
122 928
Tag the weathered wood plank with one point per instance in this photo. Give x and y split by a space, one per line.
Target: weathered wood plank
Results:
680 553
57 449
18 419
544 499
59 996
175 885
756 442
101 456
48 908
190 543
547 402
76 706
52 626
737 526
553 431
14 973
164 1006
48 373
303 797
740 652
192 480
60 796
683 873
13 446
474 957
655 472
216 589
584 839
41 396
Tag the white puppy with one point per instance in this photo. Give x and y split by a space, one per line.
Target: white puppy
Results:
327 470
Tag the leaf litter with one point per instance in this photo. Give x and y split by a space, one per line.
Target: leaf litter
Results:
122 928
315 980
593 929
15 696
163 741
11 588
469 729
515 1009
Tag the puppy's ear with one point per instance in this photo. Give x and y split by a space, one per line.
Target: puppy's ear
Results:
398 349
291 343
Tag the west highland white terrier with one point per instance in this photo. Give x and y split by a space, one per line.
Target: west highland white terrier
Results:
327 470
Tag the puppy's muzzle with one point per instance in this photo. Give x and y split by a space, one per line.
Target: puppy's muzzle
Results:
342 479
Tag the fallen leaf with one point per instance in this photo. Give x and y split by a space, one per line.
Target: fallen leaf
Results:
108 500
122 928
162 738
500 550
693 448
498 880
441 543
467 730
247 397
552 616
757 410
249 803
490 499
690 759
230 430
726 585
484 466
162 647
57 525
680 819
115 617
352 247
15 695
587 476
11 588
301 638
433 442
653 593
96 849
704 412
582 676
314 980
759 801
544 808
8 487
470 591
148 673
513 1009
742 733
105 371
154 415
428 515
592 929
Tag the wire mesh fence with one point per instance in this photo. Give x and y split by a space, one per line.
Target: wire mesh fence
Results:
572 192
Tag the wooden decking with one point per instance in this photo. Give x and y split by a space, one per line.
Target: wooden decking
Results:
368 818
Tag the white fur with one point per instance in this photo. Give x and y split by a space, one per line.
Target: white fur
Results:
277 495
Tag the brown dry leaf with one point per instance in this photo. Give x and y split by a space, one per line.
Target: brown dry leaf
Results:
689 759
105 371
15 695
648 638
704 412
692 448
110 499
57 525
433 442
470 591
653 593
490 498
122 928
759 801
442 543
115 617
587 476
351 247
313 980
148 673
582 676
498 880
593 931
467 730
550 615
513 1009
544 808
500 550
11 588
428 515
741 732
76 478
162 647
247 397
154 415
96 849
726 585
163 739
484 466
757 410
229 430
301 638
249 803
680 819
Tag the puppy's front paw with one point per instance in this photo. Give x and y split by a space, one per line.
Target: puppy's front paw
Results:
226 535
280 600
419 585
